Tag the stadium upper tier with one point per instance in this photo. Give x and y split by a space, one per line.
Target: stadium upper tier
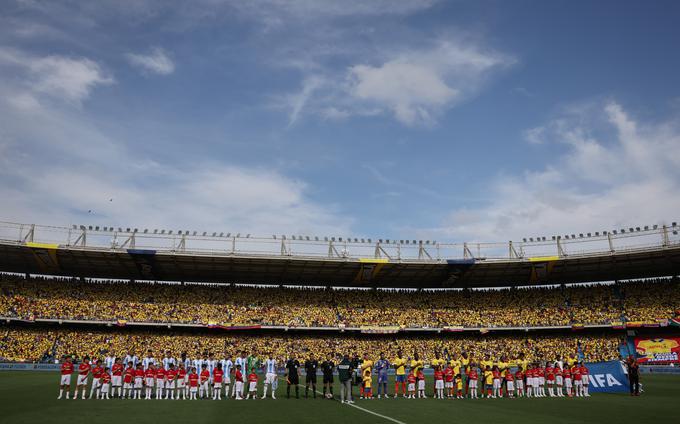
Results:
640 303
133 254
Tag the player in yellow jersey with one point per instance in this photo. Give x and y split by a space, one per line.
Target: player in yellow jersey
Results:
488 380
400 371
366 368
416 363
465 361
438 361
367 379
486 362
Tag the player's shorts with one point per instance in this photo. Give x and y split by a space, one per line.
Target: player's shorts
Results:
65 380
227 379
293 379
127 385
510 385
269 378
116 380
239 387
96 382
180 383
401 378
82 380
541 380
520 384
193 389
252 386
496 383
160 384
204 385
577 381
411 387
149 382
472 384
567 382
218 385
105 388
328 378
584 380
421 384
439 384
382 378
448 384
170 384
558 380
550 381
310 378
138 383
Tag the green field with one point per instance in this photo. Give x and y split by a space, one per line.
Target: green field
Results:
31 397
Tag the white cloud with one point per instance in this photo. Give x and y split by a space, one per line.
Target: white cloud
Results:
626 175
157 62
414 86
60 77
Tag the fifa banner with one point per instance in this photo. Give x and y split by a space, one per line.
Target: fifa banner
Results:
45 255
23 366
650 351
369 329
607 377
145 260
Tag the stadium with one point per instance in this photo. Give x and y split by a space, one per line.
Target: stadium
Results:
93 292
333 211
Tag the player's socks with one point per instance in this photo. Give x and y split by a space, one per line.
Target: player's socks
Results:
61 392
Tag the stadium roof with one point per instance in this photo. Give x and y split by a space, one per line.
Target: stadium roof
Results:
133 255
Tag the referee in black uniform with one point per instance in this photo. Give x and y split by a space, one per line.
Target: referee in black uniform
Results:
311 366
293 376
327 367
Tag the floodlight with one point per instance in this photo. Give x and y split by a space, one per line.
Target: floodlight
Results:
238 235
306 237
631 229
228 235
146 230
646 227
332 238
362 240
655 226
274 236
90 228
128 230
325 239
316 238
553 237
170 232
204 233
581 235
162 231
179 232
614 231
75 227
214 234
369 240
531 239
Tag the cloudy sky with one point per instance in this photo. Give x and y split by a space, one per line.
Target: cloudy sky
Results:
485 120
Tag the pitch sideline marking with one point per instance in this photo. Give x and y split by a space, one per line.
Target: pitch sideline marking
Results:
365 410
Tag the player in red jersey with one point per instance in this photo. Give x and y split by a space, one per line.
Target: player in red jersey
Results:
238 378
106 384
97 373
205 377
193 383
128 378
550 379
530 380
566 374
170 382
576 378
519 382
541 380
181 382
472 380
117 378
509 383
65 382
420 376
83 372
160 382
438 382
218 376
559 381
139 382
448 381
252 384
149 381
585 382
411 379
496 382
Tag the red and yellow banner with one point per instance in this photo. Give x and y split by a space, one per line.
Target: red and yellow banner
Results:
657 349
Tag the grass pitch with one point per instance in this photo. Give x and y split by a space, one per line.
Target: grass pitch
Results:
31 397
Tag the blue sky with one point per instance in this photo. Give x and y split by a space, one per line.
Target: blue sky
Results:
448 120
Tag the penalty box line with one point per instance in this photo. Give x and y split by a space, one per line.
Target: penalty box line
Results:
368 411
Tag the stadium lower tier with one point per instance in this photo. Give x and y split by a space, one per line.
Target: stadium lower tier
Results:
29 343
71 299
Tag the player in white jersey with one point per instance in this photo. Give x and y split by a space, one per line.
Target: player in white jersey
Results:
227 365
211 364
109 360
270 375
131 357
149 360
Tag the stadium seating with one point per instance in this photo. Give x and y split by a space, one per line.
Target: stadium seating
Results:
72 299
22 344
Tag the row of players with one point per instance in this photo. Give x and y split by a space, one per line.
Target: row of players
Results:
451 376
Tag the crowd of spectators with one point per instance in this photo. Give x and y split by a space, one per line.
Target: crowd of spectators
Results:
75 299
26 344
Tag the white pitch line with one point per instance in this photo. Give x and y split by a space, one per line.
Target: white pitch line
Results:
366 410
